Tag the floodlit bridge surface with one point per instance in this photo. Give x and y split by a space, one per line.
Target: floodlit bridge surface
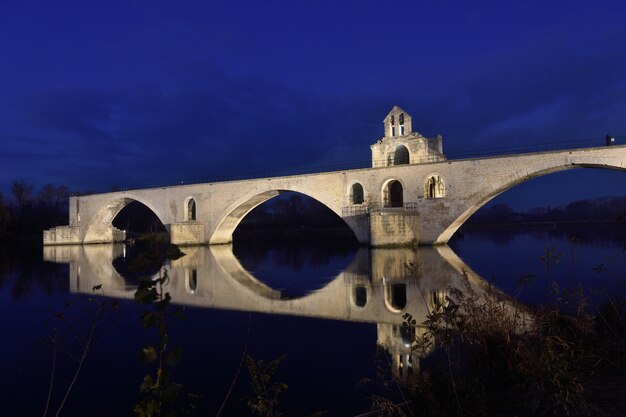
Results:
209 213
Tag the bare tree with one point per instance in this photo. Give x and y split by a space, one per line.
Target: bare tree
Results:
22 192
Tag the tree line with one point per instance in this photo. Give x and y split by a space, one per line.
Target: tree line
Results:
611 209
29 212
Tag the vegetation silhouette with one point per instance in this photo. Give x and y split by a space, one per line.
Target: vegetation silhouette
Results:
605 209
28 214
486 358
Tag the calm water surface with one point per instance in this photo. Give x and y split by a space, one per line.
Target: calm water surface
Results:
326 307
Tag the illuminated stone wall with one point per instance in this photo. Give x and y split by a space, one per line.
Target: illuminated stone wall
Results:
463 186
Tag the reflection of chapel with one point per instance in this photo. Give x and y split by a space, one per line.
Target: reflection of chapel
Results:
401 145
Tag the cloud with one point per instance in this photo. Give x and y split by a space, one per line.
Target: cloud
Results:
89 138
198 122
78 112
550 89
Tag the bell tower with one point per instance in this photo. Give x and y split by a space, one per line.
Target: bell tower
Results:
397 123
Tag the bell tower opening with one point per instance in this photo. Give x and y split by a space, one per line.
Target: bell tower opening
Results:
397 123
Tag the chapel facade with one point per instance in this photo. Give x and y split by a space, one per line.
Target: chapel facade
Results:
401 145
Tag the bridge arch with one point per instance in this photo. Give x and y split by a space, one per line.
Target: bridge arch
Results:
227 224
255 289
498 187
100 227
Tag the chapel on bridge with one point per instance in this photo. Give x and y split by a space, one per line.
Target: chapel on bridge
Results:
401 145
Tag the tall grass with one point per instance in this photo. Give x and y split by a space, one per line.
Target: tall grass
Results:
489 356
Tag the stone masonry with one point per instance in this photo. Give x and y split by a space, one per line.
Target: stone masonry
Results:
414 195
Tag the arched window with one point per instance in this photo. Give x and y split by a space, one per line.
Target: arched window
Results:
434 187
401 155
401 122
395 297
192 280
191 209
360 296
357 194
393 194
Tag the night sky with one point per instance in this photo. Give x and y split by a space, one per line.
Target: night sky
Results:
96 95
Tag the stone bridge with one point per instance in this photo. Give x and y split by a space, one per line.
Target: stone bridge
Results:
412 193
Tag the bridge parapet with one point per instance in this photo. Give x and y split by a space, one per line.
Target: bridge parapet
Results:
427 159
364 209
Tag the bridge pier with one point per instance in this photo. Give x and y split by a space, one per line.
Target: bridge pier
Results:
391 228
360 226
72 235
105 234
187 233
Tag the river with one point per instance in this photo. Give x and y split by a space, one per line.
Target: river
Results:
326 307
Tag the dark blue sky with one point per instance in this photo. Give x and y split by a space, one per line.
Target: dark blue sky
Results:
134 93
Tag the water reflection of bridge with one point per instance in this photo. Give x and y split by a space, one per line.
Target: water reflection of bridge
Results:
376 287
